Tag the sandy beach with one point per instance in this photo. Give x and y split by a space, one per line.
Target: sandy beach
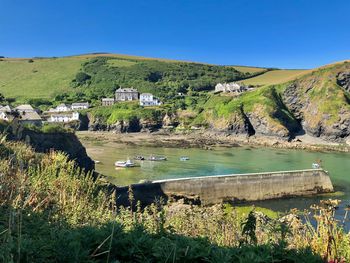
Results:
208 140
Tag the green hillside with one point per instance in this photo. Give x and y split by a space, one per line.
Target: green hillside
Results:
45 78
282 103
275 77
246 69
316 103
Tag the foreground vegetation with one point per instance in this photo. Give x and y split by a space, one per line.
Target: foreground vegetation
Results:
51 213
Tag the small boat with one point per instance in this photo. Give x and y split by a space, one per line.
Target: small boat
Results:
125 164
184 158
157 158
316 166
139 158
96 161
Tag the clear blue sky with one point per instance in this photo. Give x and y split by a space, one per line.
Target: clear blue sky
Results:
279 33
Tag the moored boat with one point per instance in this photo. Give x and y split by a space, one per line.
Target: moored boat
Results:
139 158
184 158
316 166
157 158
127 163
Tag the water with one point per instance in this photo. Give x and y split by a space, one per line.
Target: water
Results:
222 161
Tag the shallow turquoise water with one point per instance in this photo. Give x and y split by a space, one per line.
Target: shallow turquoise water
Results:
221 161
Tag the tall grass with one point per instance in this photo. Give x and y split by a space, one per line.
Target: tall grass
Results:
48 213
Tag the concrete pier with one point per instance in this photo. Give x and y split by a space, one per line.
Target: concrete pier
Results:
234 187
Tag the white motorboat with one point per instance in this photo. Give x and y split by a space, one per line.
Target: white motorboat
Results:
316 166
184 158
157 158
127 163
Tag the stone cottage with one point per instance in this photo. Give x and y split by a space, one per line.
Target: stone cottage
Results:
107 101
127 94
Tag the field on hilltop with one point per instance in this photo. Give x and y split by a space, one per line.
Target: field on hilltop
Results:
247 69
275 77
42 78
47 78
25 79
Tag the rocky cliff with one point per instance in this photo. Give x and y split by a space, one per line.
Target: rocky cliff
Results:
320 102
66 142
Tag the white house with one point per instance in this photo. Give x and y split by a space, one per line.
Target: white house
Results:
147 99
4 116
107 101
80 106
5 113
63 108
6 108
64 117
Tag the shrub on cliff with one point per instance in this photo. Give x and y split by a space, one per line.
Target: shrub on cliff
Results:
54 128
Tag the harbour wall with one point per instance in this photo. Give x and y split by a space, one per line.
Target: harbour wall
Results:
231 188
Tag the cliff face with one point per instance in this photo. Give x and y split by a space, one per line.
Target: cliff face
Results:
320 102
66 142
122 126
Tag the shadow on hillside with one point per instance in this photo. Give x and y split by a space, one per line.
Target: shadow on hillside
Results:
42 241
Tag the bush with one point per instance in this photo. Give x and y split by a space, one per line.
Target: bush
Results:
81 78
54 128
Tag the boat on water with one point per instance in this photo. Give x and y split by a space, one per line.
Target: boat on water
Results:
184 158
126 164
316 166
157 158
139 157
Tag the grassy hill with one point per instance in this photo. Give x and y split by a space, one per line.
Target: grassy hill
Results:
247 69
275 77
45 78
283 103
314 103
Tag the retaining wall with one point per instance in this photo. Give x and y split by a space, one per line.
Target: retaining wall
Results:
235 187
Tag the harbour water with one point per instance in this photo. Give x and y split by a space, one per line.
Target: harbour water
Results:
219 161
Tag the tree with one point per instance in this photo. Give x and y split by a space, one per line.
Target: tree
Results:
82 77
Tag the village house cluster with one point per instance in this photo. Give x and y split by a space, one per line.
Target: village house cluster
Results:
26 114
131 94
65 113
